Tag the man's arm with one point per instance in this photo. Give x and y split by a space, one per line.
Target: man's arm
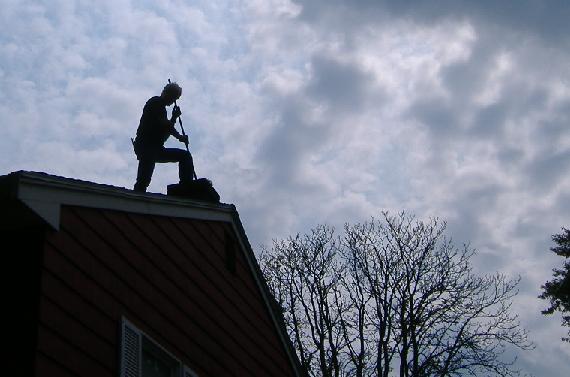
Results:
171 123
176 134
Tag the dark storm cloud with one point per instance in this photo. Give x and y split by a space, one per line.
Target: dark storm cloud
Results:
555 128
490 120
308 118
546 19
459 113
517 102
470 200
290 142
548 170
563 203
464 114
465 77
338 84
437 114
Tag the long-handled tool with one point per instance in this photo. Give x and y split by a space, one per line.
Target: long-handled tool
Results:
183 133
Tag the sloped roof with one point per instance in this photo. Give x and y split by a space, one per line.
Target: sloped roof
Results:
35 197
44 194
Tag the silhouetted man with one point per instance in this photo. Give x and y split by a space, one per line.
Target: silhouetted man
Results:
154 129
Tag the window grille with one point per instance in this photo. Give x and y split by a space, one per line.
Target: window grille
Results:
134 342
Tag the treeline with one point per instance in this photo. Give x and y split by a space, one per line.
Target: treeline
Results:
391 296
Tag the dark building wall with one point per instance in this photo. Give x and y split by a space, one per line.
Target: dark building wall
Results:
178 280
21 251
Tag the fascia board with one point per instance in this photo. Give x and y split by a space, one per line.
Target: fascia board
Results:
46 197
264 290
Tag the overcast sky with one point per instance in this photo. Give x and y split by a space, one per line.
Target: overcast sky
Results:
318 111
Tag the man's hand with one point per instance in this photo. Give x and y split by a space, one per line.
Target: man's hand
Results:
184 139
176 112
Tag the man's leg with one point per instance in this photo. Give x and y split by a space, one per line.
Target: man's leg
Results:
184 159
144 174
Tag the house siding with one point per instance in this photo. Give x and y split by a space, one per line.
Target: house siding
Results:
169 277
22 260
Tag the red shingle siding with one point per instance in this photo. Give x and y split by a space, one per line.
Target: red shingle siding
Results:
166 275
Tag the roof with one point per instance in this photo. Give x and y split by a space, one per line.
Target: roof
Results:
44 194
34 198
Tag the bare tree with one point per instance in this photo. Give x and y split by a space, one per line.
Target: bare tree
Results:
304 275
375 274
392 297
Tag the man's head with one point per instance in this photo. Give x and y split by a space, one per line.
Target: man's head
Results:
171 92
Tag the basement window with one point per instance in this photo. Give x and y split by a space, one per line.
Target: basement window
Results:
141 356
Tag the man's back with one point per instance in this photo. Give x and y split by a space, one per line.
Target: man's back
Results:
151 133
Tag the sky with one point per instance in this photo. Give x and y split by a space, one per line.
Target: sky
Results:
310 112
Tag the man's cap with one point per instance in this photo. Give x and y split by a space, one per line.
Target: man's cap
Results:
173 88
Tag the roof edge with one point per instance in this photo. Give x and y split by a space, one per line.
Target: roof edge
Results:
45 194
276 316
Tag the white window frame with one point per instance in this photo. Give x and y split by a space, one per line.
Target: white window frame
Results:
132 341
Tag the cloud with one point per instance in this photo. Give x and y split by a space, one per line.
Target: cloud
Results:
304 112
476 126
342 86
534 17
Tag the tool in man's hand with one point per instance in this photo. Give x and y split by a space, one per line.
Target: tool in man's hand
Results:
183 133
